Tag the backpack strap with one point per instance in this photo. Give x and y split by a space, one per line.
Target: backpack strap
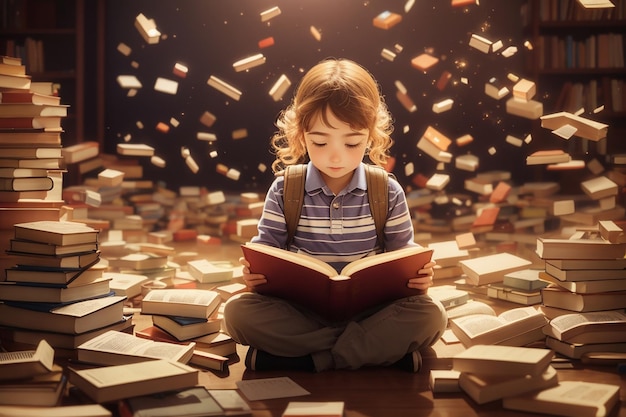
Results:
378 196
293 197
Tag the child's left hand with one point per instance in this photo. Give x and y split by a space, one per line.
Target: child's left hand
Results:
424 280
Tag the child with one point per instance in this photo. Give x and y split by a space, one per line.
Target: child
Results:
336 118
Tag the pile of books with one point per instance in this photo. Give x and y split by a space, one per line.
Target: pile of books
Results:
587 292
30 136
30 377
189 315
57 290
524 379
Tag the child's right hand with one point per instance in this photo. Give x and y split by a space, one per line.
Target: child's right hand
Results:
250 279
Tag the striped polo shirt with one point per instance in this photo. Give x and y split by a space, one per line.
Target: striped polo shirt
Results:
337 229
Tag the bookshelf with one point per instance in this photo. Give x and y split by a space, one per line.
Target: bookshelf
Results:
49 36
577 62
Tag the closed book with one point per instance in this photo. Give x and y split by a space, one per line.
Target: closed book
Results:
514 295
113 383
11 69
30 110
30 136
585 274
43 248
139 261
486 388
578 350
31 97
336 296
217 343
555 296
37 122
502 360
197 303
80 260
314 409
128 285
65 341
45 390
26 184
492 268
41 163
38 293
56 232
70 318
568 398
552 248
185 328
524 279
586 287
53 276
586 263
31 152
22 172
83 410
15 81
117 348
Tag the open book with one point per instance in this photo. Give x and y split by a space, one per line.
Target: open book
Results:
515 327
314 284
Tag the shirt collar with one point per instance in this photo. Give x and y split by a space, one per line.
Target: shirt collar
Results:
314 182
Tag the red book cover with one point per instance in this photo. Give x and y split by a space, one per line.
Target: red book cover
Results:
363 284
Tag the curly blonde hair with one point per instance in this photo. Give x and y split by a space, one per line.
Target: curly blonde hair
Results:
351 93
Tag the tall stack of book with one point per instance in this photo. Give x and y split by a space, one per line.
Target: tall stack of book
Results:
30 145
57 291
587 276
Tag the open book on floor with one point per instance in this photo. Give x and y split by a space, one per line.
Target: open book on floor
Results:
314 284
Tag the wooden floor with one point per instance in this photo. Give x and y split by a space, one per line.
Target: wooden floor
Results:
383 392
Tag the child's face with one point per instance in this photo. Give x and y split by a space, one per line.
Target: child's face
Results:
335 149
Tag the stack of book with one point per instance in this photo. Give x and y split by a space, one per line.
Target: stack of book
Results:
30 137
57 290
587 292
30 377
186 315
30 181
488 373
519 287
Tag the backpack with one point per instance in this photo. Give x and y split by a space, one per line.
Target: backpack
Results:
377 194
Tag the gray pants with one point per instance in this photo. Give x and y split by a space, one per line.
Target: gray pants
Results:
381 337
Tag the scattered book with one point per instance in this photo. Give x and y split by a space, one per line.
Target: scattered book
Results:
314 409
585 287
588 273
492 268
43 390
357 287
444 380
79 260
514 295
502 360
487 388
568 398
198 303
27 363
83 410
53 275
515 327
43 248
118 348
112 383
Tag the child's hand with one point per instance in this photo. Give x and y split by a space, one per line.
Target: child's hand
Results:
251 280
424 280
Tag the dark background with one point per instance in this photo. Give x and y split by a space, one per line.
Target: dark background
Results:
209 36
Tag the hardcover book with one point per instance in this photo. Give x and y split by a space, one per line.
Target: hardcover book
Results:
112 383
314 284
502 360
198 303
